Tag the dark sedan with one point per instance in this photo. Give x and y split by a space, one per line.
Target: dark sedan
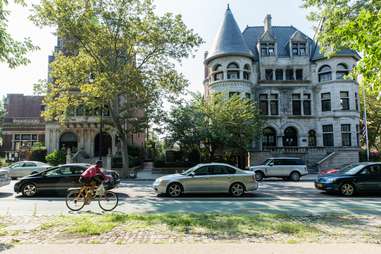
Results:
58 179
358 178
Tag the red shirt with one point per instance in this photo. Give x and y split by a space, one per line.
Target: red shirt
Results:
93 171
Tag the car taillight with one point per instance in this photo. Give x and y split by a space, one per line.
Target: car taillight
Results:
253 177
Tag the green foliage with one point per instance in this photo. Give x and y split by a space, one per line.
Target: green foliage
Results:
373 109
353 24
56 157
118 53
2 114
214 123
39 152
12 52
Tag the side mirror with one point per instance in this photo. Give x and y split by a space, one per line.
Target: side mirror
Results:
192 174
271 164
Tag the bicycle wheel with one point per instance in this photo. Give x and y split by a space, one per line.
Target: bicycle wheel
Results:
75 201
108 201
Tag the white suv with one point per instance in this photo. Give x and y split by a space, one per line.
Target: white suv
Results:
283 167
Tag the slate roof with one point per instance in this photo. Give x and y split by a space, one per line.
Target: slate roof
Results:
282 35
229 39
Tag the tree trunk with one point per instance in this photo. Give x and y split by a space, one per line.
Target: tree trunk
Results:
126 162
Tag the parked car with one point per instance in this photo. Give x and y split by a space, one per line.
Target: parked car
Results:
328 171
58 179
283 167
5 179
207 178
335 170
24 168
359 178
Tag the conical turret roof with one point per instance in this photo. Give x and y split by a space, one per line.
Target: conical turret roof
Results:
229 40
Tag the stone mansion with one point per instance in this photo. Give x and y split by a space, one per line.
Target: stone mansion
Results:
311 111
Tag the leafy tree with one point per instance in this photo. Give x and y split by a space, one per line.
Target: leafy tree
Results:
2 114
12 52
373 106
216 123
353 24
117 53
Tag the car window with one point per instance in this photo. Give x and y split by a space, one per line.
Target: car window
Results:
54 172
29 164
267 162
61 171
77 170
221 170
372 170
202 171
17 165
281 162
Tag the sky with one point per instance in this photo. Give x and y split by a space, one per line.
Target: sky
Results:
203 16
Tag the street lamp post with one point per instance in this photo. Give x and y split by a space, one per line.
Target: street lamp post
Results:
101 133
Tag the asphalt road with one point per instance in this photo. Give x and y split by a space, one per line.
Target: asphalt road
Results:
299 198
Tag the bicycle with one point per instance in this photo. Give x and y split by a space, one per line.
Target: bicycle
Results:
77 198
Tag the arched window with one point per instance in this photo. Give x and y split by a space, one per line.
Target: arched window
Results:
218 73
269 137
68 140
341 71
312 138
246 72
290 137
233 71
325 73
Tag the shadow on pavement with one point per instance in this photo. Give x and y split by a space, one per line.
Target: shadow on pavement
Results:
5 194
58 196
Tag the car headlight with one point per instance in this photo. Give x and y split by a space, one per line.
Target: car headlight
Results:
331 180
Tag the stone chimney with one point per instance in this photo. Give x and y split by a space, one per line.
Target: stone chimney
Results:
267 23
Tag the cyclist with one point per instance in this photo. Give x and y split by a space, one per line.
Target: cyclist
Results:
93 176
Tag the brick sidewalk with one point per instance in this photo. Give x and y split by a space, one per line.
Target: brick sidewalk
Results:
198 249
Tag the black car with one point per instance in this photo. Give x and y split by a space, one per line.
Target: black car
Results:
358 178
58 179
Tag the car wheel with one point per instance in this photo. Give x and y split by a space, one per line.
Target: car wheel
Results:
29 190
237 189
259 176
295 176
347 189
174 190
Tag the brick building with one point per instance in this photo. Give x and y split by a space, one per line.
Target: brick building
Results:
23 125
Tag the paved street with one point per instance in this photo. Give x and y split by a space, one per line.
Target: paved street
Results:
200 248
272 197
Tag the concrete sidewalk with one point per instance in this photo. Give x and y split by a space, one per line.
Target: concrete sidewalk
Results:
197 249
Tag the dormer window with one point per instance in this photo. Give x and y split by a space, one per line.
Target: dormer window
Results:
218 73
267 49
299 49
233 71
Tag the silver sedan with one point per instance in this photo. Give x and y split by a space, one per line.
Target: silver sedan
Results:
25 168
207 178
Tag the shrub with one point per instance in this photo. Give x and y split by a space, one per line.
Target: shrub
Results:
117 162
39 152
56 157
